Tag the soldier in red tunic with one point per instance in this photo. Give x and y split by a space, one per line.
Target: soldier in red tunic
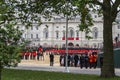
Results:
91 61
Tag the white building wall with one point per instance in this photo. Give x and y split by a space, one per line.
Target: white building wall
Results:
59 25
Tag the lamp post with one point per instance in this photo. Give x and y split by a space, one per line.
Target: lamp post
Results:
66 55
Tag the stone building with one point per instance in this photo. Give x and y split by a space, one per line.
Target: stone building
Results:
52 33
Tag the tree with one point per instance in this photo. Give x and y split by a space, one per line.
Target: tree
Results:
9 46
10 36
110 10
109 14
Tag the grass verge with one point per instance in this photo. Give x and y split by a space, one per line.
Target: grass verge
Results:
12 74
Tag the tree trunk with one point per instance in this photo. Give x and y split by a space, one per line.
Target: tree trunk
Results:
107 69
0 71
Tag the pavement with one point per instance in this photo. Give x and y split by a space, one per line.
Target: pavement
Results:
35 65
43 65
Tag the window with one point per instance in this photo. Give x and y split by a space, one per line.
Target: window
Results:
71 33
31 27
45 33
31 36
95 16
25 36
94 45
77 33
57 34
95 33
36 27
118 26
37 36
118 35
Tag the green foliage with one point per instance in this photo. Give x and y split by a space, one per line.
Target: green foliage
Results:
10 35
30 11
10 45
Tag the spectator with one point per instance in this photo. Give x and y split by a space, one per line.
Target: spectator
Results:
82 61
38 55
94 60
101 61
76 58
86 61
51 59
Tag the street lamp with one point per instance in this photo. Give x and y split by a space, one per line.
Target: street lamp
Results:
66 55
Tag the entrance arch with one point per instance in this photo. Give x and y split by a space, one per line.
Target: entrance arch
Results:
45 45
77 45
70 44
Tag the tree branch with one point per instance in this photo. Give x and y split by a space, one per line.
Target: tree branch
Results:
2 22
116 4
97 2
114 8
112 1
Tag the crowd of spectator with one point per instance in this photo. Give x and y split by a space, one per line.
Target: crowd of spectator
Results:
80 60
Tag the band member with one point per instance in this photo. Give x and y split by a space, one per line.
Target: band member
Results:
91 61
94 60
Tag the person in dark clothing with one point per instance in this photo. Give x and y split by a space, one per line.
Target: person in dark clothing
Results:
82 61
101 61
51 59
38 55
76 59
69 58
86 61
60 60
72 60
64 60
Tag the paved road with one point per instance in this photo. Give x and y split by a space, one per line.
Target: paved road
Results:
62 69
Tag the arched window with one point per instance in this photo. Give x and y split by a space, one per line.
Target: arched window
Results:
37 28
31 27
71 32
37 36
45 33
77 33
31 36
95 33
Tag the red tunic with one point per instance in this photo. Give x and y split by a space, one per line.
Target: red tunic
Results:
34 53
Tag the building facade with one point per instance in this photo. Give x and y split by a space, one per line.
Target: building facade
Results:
53 32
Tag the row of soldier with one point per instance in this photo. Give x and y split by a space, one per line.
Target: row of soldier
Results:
82 60
32 55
